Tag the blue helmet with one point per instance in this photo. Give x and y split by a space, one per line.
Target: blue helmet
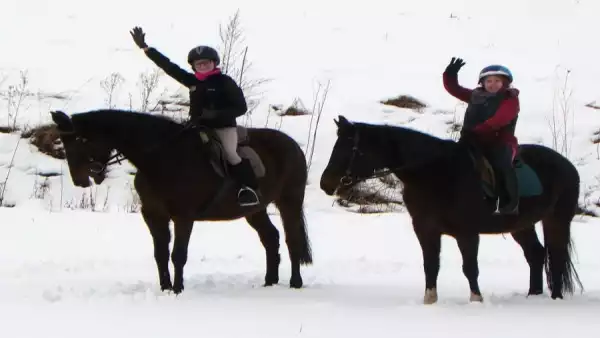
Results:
496 70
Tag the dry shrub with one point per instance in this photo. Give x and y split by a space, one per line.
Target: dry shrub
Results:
377 195
8 129
596 138
454 126
442 112
296 109
593 105
46 139
582 210
405 101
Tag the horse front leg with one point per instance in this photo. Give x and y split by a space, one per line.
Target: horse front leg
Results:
183 231
269 237
534 254
469 249
158 224
431 246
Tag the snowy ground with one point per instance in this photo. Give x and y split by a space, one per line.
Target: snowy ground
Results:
66 271
72 274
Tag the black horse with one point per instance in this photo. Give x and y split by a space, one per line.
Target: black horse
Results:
180 178
446 192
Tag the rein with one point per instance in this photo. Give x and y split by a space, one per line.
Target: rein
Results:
347 179
98 167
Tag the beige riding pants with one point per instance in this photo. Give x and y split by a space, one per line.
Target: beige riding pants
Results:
229 139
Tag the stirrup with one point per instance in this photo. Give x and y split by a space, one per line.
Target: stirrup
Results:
504 211
256 200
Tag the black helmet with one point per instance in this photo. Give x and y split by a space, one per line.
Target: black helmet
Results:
203 52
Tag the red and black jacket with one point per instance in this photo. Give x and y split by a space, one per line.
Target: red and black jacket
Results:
492 116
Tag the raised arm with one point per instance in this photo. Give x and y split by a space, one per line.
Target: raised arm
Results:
177 73
450 78
184 77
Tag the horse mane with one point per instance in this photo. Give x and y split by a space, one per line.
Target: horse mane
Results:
396 136
141 121
125 124
422 152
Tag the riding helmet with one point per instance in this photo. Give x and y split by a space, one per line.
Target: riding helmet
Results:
496 70
203 52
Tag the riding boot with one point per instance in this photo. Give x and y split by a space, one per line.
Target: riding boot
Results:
248 194
512 193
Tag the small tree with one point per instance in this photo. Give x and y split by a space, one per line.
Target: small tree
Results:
561 122
235 61
110 85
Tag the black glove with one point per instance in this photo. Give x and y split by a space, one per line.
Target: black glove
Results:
454 66
138 37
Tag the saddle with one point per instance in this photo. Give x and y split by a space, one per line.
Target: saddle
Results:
217 153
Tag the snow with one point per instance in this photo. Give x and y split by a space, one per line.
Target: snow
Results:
68 271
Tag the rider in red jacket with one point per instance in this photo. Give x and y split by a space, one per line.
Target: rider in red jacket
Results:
491 116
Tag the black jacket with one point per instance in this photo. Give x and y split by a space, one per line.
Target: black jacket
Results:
215 102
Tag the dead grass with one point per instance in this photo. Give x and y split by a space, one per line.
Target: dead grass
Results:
453 126
46 139
593 105
294 111
49 174
586 212
596 139
405 101
8 129
377 195
297 108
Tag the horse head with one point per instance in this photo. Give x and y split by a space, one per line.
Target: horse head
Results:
87 156
355 156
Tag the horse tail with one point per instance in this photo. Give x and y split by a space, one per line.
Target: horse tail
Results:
559 246
301 242
291 208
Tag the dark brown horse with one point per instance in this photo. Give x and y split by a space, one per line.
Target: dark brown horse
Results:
177 181
444 194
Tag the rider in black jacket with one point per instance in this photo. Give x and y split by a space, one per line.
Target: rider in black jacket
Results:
215 102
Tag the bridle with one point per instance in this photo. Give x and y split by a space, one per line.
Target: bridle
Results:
346 179
97 167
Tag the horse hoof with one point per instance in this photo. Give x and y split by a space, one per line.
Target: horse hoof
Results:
177 289
535 293
296 284
270 281
430 297
476 298
166 286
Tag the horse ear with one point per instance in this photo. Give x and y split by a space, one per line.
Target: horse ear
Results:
62 120
342 120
